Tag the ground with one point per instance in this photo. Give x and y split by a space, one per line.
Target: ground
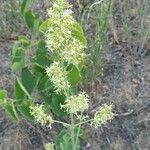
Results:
124 82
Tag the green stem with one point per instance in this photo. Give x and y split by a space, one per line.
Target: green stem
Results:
72 132
63 123
78 131
83 122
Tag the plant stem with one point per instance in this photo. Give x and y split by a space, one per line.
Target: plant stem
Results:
72 132
63 123
78 131
83 122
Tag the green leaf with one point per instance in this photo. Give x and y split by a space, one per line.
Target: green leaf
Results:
3 94
17 66
28 80
64 142
57 101
30 18
44 26
45 89
10 108
41 49
73 90
25 5
19 93
18 55
24 109
36 25
78 33
74 76
24 40
45 84
23 88
39 61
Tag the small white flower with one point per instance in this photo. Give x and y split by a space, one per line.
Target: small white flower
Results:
40 116
59 36
49 146
58 76
77 103
102 116
68 12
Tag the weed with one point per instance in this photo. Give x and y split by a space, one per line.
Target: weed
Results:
54 72
135 16
101 14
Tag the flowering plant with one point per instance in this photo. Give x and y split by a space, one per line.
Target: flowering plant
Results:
50 79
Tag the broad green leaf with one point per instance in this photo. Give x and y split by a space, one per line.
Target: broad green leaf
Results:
3 94
42 61
57 101
45 84
10 108
44 26
23 88
24 40
24 109
47 98
45 89
30 18
73 90
36 25
17 66
74 75
78 33
25 5
19 93
28 80
18 55
41 48
64 142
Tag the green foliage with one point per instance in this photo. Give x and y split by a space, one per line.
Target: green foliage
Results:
45 77
24 41
57 101
3 95
74 76
28 80
64 140
10 108
139 15
78 33
23 88
19 93
102 20
24 109
25 5
43 27
18 58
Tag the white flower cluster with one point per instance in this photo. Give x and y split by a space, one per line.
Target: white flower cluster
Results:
59 36
58 76
77 103
49 146
103 115
40 116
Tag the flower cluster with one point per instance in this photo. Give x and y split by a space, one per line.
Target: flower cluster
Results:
77 103
58 76
59 36
49 146
104 114
40 116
